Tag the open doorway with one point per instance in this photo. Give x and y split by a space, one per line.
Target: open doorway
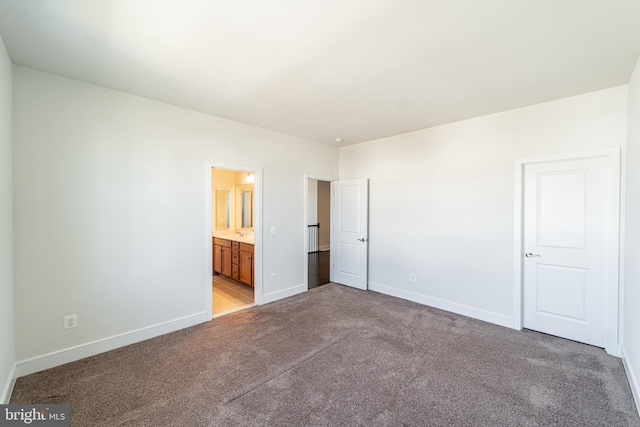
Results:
318 221
233 231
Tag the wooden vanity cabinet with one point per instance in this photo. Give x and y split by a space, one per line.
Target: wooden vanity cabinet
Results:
217 257
226 261
246 264
222 256
233 260
235 269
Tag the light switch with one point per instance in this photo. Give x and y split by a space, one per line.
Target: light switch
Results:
273 230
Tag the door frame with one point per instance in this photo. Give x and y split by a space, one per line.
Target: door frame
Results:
305 210
612 303
257 230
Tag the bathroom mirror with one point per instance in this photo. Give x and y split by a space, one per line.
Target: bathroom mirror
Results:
223 205
247 209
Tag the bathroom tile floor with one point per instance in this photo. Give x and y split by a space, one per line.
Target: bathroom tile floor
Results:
229 296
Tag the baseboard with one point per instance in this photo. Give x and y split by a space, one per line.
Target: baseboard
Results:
324 248
465 310
285 293
71 354
614 351
8 387
633 379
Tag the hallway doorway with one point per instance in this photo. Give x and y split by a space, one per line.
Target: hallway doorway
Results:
318 220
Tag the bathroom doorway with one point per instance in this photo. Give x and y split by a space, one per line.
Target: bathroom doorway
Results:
318 231
234 223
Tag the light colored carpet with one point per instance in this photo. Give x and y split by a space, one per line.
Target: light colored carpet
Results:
338 356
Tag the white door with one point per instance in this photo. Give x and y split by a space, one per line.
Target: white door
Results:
349 232
566 226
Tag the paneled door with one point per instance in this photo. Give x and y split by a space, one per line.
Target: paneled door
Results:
566 209
349 232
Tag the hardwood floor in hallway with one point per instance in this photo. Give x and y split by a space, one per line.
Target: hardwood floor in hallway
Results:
319 269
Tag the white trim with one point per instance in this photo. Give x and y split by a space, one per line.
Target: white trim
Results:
622 254
285 293
258 187
8 387
613 266
517 245
633 379
305 201
324 248
71 354
453 307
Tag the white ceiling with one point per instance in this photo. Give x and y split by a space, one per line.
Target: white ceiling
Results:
359 69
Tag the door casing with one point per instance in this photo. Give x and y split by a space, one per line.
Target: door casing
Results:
257 228
612 303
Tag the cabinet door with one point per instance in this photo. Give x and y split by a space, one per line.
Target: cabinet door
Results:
246 268
217 259
226 262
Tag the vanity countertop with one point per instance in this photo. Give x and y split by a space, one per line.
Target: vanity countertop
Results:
236 238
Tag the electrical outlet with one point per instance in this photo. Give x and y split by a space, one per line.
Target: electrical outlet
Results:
273 277
71 321
412 277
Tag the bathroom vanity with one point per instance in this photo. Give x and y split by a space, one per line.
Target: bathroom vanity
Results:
233 258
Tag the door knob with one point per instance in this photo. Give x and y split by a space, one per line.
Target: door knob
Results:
362 240
530 255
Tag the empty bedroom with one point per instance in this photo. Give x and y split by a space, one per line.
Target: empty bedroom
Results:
420 213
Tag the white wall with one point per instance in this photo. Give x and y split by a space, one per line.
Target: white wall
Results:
6 227
442 199
110 214
631 338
